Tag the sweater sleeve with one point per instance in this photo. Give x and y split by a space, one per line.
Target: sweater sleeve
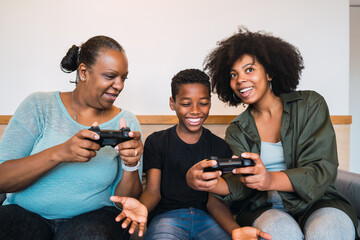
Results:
134 125
23 130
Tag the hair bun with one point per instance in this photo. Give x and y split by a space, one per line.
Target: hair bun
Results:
70 62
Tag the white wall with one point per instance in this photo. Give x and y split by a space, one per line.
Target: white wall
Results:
355 88
162 37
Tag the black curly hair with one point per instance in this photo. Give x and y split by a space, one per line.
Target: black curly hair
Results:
281 60
189 76
87 53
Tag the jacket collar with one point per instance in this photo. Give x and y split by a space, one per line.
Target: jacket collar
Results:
287 98
247 123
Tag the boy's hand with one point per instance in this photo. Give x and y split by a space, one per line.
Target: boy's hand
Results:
249 233
133 212
199 180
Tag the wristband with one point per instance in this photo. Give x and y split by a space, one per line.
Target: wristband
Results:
130 169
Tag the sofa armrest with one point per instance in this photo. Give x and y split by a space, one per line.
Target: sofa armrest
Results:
348 183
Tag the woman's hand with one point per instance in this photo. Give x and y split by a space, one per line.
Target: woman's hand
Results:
79 148
259 178
130 151
249 233
133 212
199 180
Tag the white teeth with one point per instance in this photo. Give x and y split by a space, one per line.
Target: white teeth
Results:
193 120
246 89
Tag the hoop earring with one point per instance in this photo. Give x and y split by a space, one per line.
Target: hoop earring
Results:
236 98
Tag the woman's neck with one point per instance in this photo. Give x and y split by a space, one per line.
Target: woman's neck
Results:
267 116
269 106
82 109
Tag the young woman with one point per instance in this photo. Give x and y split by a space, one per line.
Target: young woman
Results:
290 192
58 181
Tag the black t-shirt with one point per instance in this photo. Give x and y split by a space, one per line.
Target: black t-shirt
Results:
164 150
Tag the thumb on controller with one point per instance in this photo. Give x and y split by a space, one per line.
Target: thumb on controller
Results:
122 123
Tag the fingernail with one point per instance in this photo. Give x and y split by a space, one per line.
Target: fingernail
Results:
117 148
97 137
131 134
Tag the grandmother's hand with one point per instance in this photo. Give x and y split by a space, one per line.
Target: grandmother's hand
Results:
130 151
79 148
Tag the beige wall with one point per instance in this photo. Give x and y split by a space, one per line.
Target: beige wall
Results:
2 129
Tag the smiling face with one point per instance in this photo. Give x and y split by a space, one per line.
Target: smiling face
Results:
105 79
248 80
192 106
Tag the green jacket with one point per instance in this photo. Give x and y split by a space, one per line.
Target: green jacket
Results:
310 153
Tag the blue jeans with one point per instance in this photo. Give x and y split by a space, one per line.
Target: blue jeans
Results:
184 224
19 223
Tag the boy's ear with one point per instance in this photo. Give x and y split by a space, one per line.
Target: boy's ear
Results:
172 104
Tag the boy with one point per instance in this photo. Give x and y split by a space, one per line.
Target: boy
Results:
168 154
176 210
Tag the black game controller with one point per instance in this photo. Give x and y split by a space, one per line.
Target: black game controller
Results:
226 165
111 137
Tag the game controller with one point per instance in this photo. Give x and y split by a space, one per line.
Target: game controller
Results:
111 137
226 165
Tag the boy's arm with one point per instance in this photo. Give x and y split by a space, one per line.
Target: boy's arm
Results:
135 211
151 196
222 215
